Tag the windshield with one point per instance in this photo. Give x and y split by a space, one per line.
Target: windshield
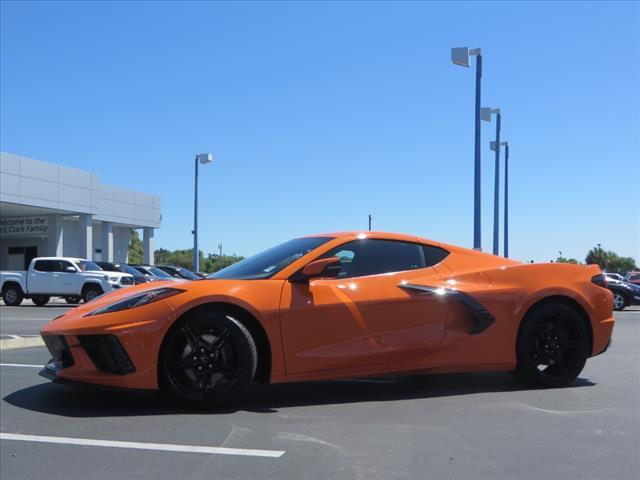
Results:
270 262
127 269
187 273
158 273
87 266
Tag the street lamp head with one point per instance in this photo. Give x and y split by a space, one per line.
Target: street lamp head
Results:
485 113
460 55
492 145
204 158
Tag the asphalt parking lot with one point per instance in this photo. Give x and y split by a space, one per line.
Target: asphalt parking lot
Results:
471 426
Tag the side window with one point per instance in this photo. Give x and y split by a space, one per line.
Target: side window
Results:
43 266
433 255
373 256
62 266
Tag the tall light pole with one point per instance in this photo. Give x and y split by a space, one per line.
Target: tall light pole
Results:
486 116
460 56
506 199
506 195
202 158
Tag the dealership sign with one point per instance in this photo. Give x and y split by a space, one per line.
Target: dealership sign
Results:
24 226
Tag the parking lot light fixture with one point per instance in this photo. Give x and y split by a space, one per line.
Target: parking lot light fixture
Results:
461 56
486 116
201 158
506 195
506 198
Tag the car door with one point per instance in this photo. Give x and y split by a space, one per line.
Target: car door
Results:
363 316
67 282
41 277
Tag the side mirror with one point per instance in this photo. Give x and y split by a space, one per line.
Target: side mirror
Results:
322 268
70 270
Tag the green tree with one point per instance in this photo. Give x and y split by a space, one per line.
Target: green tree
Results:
180 258
184 258
135 248
213 262
610 261
562 259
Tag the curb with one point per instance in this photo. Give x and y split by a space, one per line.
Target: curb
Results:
15 343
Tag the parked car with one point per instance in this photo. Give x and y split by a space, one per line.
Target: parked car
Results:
336 306
633 277
624 293
151 271
615 276
70 278
179 272
138 277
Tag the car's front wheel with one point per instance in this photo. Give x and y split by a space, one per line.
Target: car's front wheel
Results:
619 301
208 358
552 345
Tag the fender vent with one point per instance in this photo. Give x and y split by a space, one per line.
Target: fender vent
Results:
107 353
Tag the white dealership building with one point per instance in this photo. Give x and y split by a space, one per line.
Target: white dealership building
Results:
51 210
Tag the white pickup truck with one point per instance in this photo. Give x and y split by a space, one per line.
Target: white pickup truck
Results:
70 278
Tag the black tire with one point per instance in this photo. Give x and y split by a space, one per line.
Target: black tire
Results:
552 346
619 301
224 366
90 292
73 300
40 300
12 295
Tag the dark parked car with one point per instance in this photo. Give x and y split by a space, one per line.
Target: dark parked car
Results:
178 272
138 277
624 293
151 271
633 277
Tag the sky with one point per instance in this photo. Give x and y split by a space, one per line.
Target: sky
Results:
321 113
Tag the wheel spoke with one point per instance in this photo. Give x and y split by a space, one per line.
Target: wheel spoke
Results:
180 365
229 372
191 338
540 331
219 342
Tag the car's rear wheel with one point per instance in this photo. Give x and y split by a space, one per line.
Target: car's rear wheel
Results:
552 345
12 295
208 359
619 301
40 300
90 292
72 300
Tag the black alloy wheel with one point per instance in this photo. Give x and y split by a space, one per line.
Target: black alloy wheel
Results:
552 345
208 358
40 300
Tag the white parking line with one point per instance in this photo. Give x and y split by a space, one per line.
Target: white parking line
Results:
20 365
164 447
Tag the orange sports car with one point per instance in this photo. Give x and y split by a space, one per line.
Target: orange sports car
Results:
338 305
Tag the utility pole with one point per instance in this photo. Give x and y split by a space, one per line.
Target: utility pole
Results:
369 222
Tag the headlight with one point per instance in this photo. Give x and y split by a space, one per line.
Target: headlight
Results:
137 300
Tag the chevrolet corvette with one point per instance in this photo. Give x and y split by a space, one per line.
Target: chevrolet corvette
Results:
333 306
